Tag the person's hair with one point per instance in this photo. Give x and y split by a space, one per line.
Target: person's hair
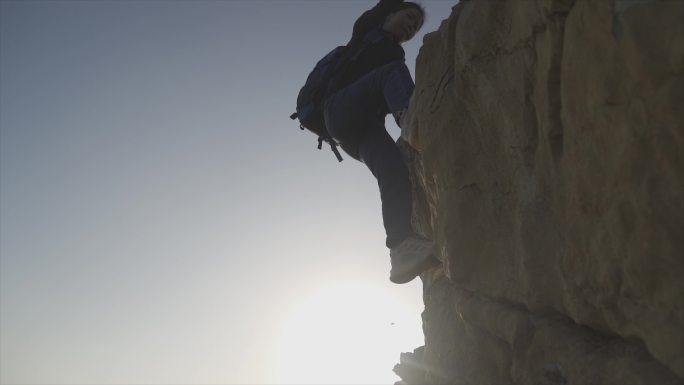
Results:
410 4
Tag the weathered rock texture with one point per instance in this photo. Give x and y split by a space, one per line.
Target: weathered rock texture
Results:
552 180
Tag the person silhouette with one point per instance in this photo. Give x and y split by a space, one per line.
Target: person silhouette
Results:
374 84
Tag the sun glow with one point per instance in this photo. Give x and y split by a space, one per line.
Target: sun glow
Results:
348 333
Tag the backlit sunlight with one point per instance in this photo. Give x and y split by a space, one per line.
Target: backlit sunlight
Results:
347 333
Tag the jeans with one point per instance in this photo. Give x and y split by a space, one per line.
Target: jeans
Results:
355 117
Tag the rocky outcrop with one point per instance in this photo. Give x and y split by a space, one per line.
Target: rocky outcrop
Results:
552 179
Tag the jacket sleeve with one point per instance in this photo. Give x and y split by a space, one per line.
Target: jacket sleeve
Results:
372 18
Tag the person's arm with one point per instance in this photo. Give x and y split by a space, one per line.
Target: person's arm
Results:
372 18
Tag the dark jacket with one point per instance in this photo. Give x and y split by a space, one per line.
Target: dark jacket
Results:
375 55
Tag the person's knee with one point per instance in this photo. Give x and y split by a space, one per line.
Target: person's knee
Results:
397 65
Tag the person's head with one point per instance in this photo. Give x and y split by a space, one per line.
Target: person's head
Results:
404 21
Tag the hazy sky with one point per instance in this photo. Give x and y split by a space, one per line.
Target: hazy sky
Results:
162 220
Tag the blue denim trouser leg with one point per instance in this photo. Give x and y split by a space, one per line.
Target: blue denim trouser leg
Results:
355 116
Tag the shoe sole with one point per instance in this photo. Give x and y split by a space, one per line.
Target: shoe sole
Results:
428 263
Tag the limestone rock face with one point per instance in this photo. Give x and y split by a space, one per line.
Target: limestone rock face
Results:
552 179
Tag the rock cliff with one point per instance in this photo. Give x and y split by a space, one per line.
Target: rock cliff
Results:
552 179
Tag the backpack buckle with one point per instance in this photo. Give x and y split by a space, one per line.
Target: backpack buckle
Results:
333 146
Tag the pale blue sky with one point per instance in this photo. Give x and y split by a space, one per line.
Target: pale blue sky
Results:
161 217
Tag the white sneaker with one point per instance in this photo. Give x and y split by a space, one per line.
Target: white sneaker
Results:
411 257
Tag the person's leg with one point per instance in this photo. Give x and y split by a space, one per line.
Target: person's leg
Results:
382 156
350 112
410 253
355 116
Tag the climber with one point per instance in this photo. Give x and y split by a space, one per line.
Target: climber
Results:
376 83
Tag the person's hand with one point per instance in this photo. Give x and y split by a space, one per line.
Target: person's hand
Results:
414 139
409 125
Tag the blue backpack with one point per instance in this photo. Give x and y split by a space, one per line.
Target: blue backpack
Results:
312 95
